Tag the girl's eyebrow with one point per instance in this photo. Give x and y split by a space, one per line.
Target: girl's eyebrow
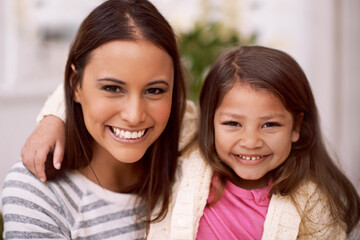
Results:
234 115
124 83
279 115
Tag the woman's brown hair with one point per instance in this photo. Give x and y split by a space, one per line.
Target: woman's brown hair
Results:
131 20
278 73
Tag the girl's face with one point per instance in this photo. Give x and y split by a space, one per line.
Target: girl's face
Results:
125 95
253 133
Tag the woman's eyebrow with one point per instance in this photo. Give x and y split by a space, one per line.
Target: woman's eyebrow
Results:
124 83
112 80
158 82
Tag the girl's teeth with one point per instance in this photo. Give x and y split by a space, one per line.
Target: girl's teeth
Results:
249 158
127 134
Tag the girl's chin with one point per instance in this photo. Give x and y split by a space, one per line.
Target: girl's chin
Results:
251 181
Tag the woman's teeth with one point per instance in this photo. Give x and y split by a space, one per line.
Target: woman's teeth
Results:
250 158
127 134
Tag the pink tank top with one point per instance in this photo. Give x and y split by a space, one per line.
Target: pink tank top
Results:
239 214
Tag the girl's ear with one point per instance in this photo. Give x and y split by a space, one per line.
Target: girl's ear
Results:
297 127
77 87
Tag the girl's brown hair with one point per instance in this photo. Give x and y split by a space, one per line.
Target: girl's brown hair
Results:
132 20
275 71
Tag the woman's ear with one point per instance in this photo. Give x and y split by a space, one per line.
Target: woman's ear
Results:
297 127
77 97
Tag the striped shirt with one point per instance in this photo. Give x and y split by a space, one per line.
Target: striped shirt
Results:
72 207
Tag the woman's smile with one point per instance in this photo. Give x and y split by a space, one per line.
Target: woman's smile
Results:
127 136
126 97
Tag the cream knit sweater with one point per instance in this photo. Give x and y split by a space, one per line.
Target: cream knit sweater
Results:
283 220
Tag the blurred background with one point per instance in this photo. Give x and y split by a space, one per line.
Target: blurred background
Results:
323 36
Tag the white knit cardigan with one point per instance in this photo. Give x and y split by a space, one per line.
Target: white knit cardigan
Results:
283 220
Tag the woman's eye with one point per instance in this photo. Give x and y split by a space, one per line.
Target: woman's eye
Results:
232 124
154 91
113 89
271 124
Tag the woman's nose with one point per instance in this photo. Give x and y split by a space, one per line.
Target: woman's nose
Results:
133 110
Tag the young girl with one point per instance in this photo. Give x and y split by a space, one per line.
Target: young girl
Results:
270 174
124 101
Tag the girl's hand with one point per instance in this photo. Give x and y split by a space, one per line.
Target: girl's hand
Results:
48 136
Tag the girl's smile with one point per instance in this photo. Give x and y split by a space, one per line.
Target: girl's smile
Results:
250 159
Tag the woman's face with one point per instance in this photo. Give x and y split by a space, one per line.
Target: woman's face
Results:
126 95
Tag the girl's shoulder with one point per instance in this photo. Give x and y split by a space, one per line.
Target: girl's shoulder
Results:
308 194
307 210
317 219
307 198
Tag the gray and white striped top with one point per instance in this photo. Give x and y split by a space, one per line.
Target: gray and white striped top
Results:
71 207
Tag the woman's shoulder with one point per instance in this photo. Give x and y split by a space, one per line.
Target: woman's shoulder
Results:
24 187
19 173
20 182
28 203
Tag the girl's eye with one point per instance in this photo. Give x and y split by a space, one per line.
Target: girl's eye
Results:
232 124
112 88
154 91
271 124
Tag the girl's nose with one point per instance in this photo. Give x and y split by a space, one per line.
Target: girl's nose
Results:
250 139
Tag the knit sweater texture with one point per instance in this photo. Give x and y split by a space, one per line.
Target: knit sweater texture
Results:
284 219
